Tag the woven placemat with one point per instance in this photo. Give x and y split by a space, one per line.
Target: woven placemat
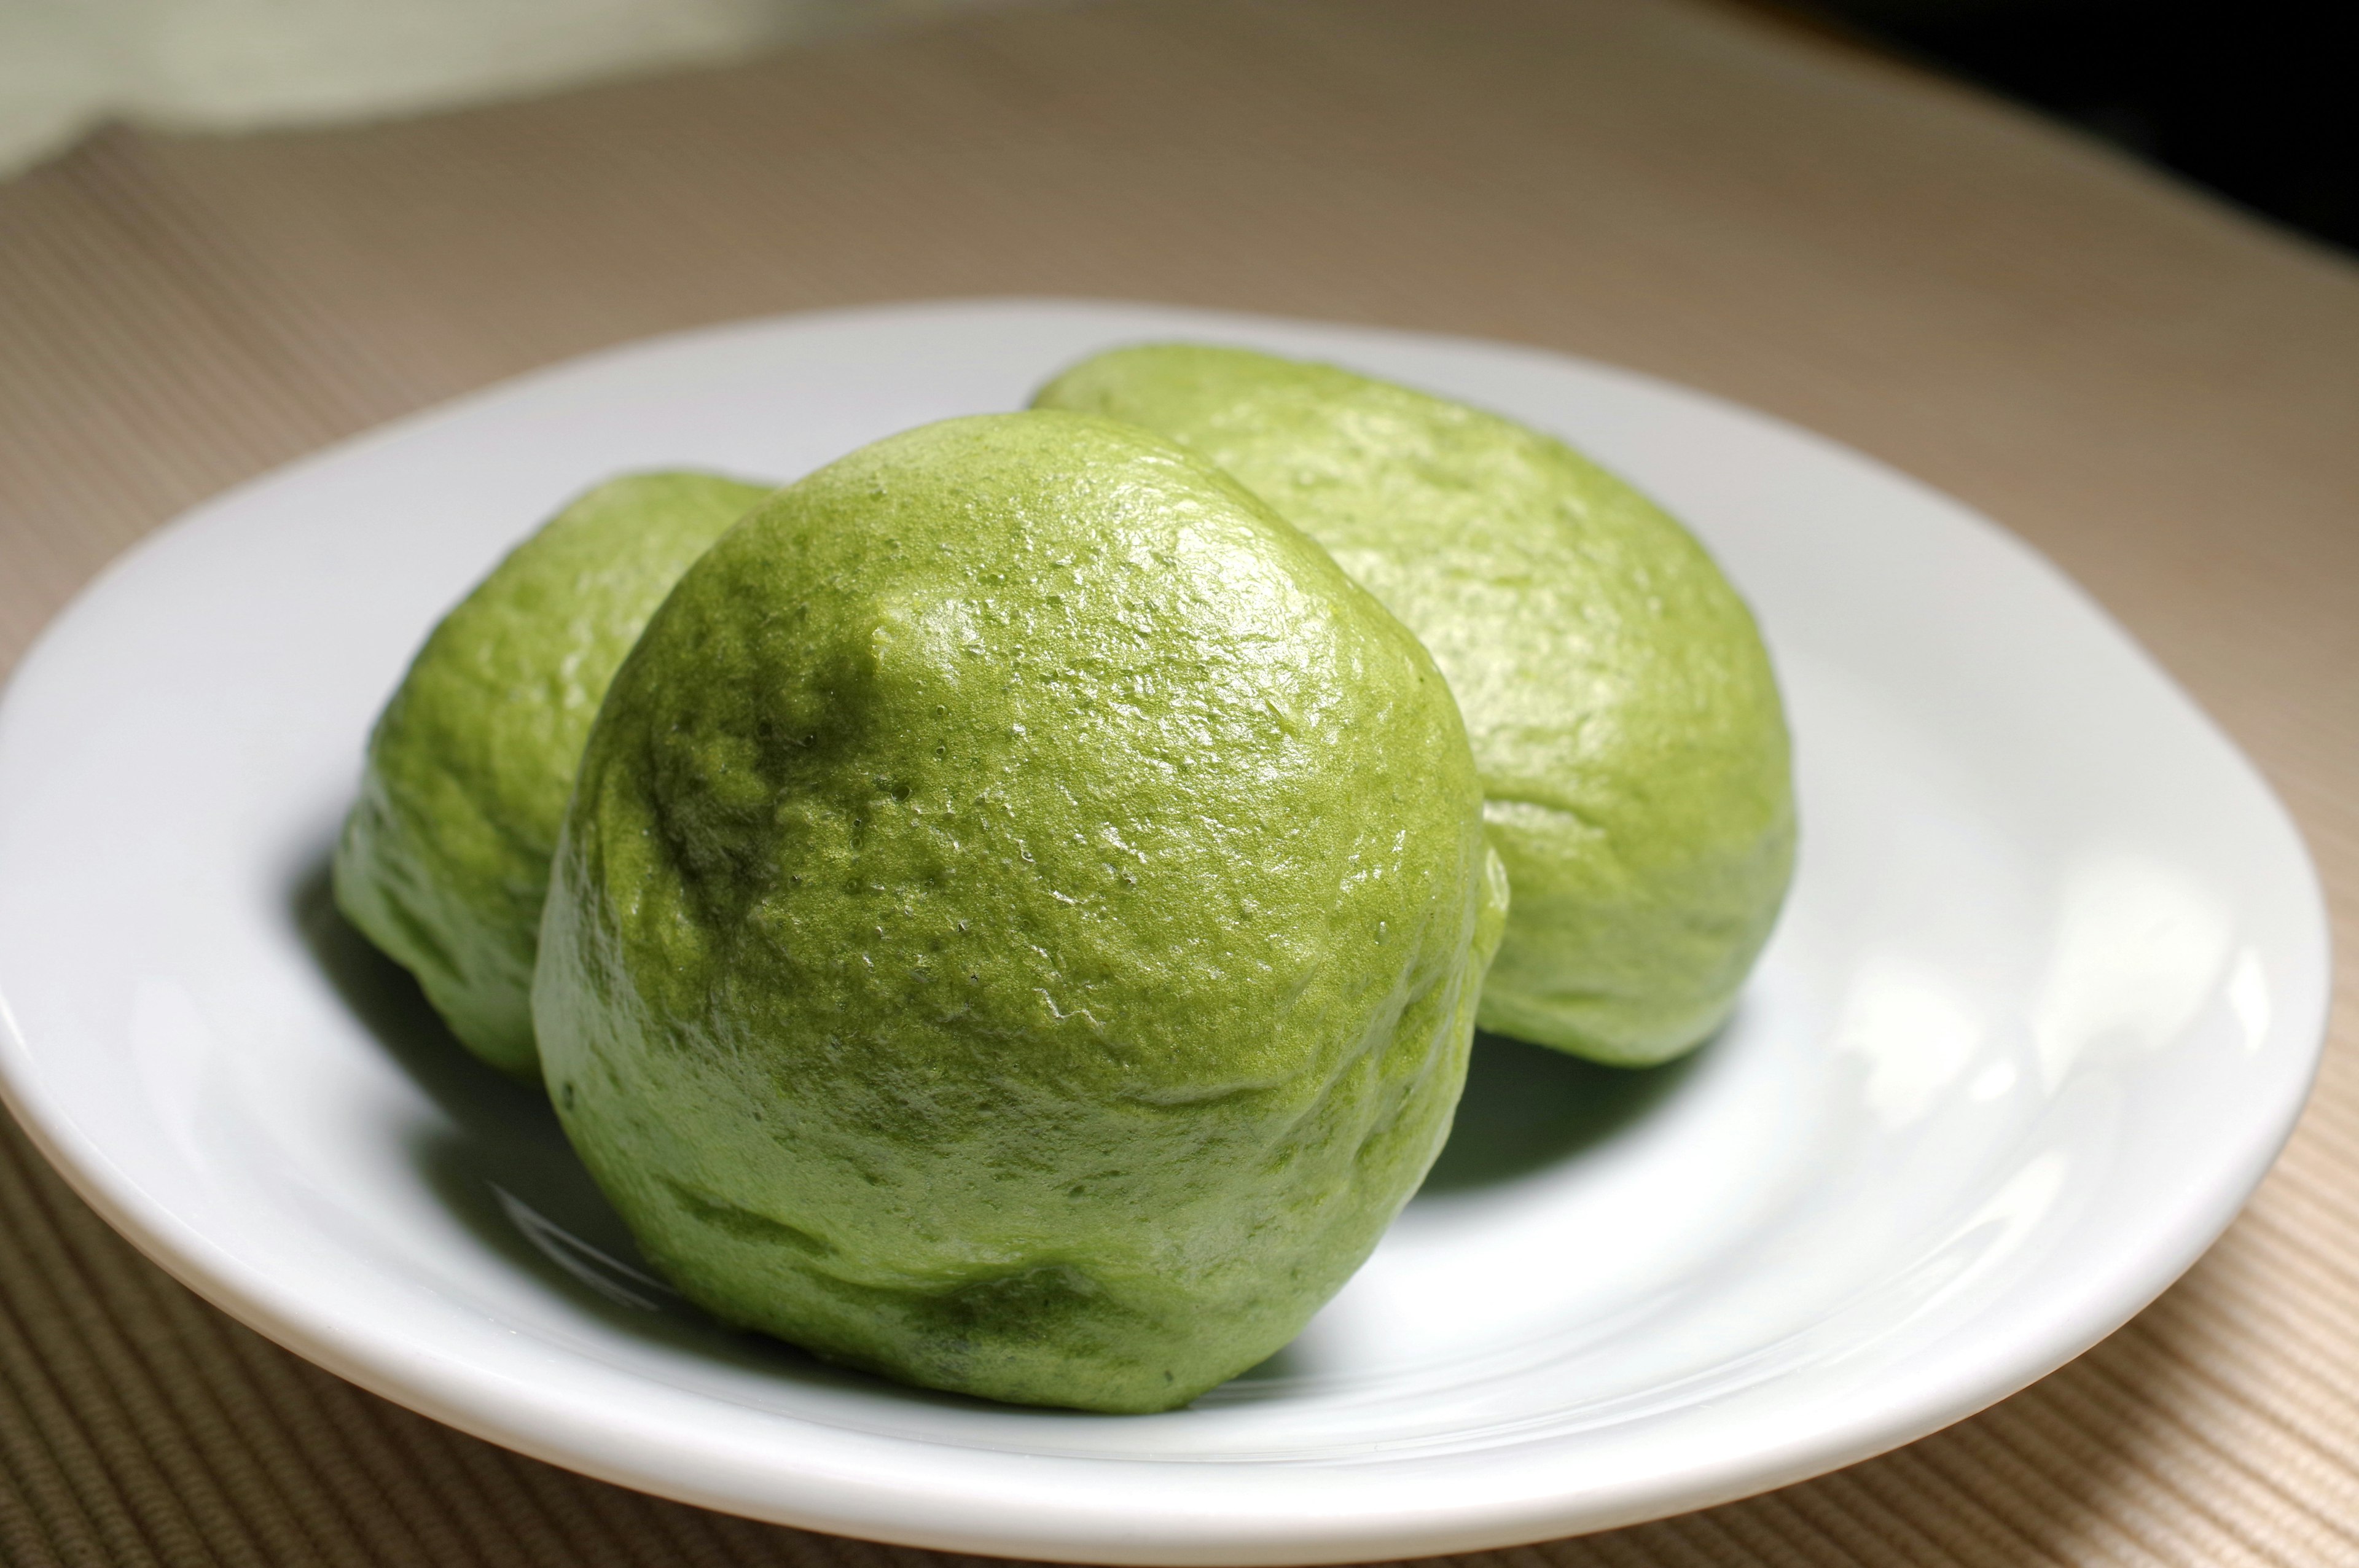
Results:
2156 392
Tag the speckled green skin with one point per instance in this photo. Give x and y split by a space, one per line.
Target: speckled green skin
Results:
1018 927
1622 711
444 859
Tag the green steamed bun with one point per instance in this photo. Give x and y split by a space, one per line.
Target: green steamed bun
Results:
444 860
1622 708
1018 926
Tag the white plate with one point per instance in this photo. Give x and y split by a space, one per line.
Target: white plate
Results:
2047 997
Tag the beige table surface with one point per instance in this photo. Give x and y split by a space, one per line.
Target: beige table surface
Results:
2160 394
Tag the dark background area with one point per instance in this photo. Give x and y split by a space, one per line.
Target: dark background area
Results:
2257 100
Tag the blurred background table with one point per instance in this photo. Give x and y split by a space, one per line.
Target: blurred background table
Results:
2159 394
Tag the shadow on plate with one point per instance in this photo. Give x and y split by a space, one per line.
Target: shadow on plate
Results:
1526 1108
